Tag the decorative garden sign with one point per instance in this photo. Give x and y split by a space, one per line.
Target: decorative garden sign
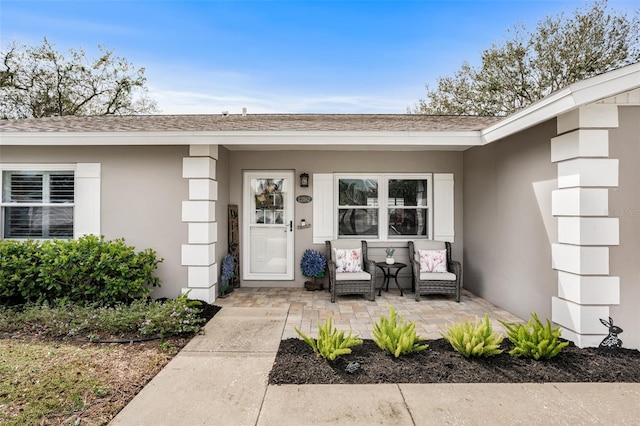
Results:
612 342
234 244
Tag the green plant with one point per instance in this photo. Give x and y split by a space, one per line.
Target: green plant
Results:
167 346
19 268
331 343
86 270
397 336
474 339
173 317
533 339
141 318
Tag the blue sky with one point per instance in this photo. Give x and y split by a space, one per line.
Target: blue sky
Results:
281 56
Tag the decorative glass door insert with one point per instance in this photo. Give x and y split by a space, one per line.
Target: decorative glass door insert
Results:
268 225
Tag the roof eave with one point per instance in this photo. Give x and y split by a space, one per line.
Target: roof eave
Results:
239 139
574 96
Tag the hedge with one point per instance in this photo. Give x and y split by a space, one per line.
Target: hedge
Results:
89 269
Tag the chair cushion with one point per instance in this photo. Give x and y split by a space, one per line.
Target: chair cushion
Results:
353 276
437 276
433 260
348 260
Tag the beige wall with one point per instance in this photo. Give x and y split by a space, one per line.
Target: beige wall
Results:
222 205
345 161
142 193
508 224
624 203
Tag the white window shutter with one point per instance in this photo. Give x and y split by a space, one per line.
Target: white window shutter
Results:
323 210
443 207
87 199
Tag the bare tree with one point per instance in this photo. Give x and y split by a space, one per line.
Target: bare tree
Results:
531 65
39 82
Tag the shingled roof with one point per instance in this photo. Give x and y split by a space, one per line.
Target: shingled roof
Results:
251 122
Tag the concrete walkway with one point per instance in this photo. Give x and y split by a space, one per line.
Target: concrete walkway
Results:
221 378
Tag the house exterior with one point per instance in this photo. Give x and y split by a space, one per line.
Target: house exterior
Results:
542 207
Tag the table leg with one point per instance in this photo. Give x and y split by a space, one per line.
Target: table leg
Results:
384 280
395 277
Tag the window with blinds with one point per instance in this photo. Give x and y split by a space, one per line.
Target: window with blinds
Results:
37 204
384 206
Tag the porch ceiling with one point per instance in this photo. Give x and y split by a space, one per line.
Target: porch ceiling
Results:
351 141
388 148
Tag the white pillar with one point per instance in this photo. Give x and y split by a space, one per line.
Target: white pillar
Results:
581 204
199 213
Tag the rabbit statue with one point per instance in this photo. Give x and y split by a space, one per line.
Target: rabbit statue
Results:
612 342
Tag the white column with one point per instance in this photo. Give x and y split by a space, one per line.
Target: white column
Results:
581 204
199 213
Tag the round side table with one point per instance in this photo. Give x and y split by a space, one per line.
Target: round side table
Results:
387 270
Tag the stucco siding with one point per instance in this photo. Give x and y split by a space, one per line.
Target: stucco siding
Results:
346 162
624 203
508 223
141 194
222 204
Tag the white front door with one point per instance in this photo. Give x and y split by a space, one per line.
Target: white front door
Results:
268 225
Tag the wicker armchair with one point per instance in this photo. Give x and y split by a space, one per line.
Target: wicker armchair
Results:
351 282
434 282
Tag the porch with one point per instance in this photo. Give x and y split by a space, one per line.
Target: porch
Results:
432 314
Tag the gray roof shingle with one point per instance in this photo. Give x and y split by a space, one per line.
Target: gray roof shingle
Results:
250 122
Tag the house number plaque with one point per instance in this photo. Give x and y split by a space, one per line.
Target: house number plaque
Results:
303 198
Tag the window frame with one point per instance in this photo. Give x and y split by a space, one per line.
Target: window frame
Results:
383 204
87 194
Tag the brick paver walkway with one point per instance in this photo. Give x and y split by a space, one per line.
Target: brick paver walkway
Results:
432 313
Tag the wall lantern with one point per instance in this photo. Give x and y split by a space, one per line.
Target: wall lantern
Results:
304 180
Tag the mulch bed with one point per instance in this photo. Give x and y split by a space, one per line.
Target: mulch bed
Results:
296 363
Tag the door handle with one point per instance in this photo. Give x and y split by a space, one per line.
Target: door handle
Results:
291 226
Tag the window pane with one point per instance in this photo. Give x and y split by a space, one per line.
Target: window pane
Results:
358 192
269 196
407 222
61 188
22 187
23 222
358 222
407 192
60 222
38 222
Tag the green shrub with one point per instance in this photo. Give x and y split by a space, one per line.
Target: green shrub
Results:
534 340
19 269
397 336
174 317
62 319
331 343
474 339
86 270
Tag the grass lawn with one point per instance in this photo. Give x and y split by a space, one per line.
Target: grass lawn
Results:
50 382
52 370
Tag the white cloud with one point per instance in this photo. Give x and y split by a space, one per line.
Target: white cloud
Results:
190 89
185 102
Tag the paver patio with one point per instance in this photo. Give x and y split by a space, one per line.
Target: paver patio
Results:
221 376
306 308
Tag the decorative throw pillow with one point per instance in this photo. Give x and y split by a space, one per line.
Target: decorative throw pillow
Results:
348 260
433 260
